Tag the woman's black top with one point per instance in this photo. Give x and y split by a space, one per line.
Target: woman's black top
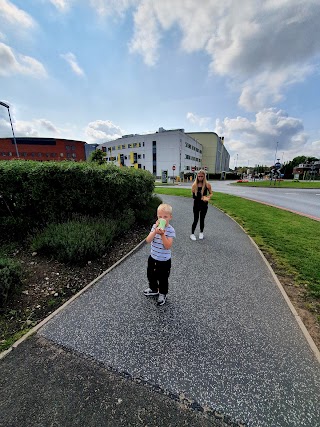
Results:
197 197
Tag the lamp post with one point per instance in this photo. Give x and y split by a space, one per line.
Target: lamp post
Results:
222 142
14 138
275 155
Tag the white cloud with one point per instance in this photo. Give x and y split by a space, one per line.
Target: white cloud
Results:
71 59
255 141
101 131
108 7
12 15
199 121
146 38
62 5
47 125
262 47
15 63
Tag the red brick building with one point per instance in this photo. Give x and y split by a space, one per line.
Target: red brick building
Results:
42 149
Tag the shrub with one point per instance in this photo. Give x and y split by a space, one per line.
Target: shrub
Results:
10 279
81 239
148 215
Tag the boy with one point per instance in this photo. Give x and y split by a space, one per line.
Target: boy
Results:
159 262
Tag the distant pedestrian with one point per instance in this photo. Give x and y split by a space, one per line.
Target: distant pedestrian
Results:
201 192
159 262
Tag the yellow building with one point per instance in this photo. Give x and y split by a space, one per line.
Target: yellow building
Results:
215 157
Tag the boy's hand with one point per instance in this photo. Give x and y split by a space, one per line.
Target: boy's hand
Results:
159 231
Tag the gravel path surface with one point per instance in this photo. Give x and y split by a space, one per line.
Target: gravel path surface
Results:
225 338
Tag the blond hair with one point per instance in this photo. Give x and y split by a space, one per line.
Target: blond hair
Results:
165 208
195 184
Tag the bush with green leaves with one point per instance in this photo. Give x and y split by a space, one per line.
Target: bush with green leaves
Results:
149 214
39 193
82 239
10 279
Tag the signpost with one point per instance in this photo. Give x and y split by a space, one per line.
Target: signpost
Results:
173 169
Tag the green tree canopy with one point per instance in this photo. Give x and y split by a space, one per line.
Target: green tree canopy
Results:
97 156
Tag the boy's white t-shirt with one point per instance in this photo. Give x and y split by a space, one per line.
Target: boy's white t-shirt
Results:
158 251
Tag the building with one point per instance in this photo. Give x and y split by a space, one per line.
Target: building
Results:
215 157
174 151
309 170
90 148
42 149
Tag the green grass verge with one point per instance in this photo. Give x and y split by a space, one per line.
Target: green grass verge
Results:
281 184
292 240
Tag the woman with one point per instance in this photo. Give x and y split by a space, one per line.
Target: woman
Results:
201 192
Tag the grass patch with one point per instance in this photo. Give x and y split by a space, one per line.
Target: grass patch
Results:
291 240
280 184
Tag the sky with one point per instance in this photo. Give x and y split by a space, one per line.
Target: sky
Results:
95 70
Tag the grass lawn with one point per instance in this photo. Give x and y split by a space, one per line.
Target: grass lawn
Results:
281 184
293 241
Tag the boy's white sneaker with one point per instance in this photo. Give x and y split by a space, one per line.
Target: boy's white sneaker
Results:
193 237
150 293
200 236
161 299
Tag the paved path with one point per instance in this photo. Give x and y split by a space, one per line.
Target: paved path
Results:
225 339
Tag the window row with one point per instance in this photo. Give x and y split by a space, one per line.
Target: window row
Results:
192 158
193 148
124 146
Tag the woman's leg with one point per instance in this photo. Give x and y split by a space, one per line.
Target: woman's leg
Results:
203 214
196 212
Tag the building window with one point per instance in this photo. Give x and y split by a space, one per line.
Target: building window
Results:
67 147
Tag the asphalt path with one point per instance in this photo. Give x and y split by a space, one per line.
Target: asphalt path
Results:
226 338
302 201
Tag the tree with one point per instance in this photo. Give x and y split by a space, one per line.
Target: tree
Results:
97 156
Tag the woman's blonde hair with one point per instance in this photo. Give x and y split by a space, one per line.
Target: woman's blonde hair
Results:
195 184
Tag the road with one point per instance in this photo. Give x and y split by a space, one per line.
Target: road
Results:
302 201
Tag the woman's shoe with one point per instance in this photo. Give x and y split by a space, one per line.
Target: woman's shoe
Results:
193 237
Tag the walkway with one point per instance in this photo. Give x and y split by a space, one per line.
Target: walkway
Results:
225 339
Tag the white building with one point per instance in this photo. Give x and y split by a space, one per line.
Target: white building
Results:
166 150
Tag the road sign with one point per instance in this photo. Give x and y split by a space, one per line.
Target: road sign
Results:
173 167
193 168
205 168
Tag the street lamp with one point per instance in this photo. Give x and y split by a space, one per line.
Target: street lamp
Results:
275 156
222 142
14 138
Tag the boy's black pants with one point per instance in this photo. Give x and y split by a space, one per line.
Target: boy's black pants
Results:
158 273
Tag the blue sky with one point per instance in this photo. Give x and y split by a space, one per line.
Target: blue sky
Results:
97 69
